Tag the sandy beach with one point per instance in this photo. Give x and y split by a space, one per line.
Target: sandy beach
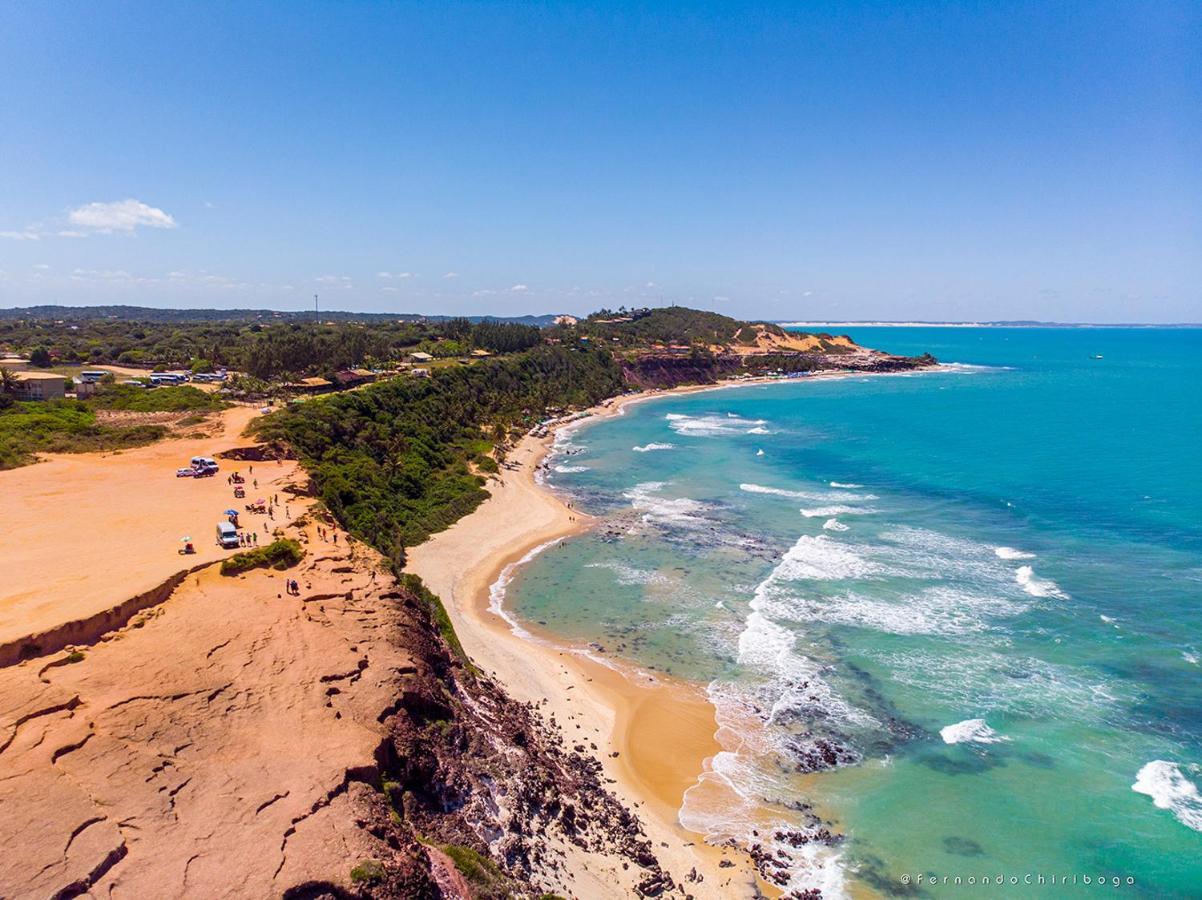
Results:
652 734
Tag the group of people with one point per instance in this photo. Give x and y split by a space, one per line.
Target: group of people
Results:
248 539
292 586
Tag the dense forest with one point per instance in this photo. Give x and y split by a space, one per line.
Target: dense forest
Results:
399 460
270 350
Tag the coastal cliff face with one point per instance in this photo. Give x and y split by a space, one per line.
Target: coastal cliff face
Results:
486 781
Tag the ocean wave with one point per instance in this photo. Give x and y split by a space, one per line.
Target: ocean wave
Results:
658 510
567 470
1169 789
818 496
846 485
759 429
819 512
1011 553
647 448
940 610
1000 682
712 425
973 731
496 591
1038 587
833 524
1191 658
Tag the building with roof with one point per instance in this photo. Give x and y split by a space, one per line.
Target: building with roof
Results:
39 386
417 356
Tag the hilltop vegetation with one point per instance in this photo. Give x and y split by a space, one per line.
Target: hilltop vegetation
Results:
679 326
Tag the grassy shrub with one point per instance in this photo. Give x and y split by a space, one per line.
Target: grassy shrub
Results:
484 875
370 871
177 398
282 554
63 426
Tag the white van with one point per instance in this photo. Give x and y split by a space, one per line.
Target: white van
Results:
227 535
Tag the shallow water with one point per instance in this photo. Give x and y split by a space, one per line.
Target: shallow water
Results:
977 591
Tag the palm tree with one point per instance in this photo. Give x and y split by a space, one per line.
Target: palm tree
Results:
8 381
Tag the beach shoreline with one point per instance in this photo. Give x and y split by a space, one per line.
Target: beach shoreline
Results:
654 735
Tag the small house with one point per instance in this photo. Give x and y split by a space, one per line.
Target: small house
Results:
417 356
39 386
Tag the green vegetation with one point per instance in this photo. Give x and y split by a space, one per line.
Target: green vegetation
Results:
668 325
484 875
62 426
74 657
181 398
370 871
391 461
267 346
281 554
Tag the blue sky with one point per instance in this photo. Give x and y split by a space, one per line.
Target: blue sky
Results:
787 161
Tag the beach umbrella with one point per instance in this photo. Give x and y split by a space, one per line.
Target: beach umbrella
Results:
231 512
185 539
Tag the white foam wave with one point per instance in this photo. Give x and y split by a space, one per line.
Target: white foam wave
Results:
759 429
819 512
658 510
713 425
1011 553
833 524
939 610
759 452
973 731
1169 789
845 485
1191 658
1038 587
647 448
818 496
567 470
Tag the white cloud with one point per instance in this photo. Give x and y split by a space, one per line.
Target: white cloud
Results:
389 289
451 275
519 288
394 274
42 266
26 235
119 215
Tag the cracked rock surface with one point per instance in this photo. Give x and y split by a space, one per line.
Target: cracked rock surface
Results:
221 744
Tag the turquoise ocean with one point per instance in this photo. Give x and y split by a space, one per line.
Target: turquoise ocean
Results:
955 614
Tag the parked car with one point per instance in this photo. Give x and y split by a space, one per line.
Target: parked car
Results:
184 473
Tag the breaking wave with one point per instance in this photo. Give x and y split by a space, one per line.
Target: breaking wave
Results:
971 731
657 510
712 425
1038 587
647 448
1011 553
1170 789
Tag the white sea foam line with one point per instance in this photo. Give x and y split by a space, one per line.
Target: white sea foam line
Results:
496 591
648 448
1012 553
842 485
805 495
570 470
681 511
823 512
1169 789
